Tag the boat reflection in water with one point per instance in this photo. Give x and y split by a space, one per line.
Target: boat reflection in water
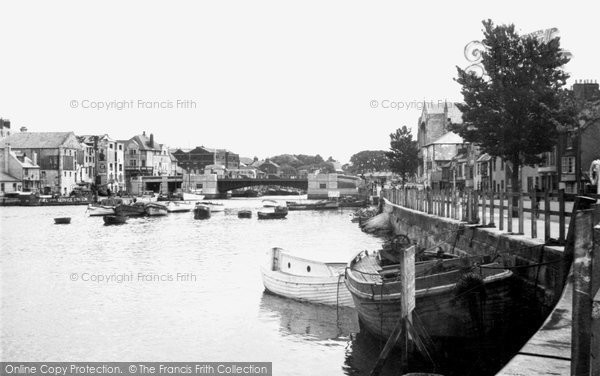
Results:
310 321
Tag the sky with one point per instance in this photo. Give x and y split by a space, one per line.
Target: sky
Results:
259 78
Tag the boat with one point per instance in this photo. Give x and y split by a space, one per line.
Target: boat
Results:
179 206
62 220
318 205
201 211
279 212
192 196
148 197
154 209
114 219
457 298
362 215
298 278
353 202
214 206
245 214
136 209
104 207
269 203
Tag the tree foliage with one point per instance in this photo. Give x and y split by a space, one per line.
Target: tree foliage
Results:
403 155
368 161
514 110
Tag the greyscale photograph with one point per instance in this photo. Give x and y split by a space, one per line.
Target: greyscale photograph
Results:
277 188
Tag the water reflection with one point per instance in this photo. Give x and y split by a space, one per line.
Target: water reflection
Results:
308 321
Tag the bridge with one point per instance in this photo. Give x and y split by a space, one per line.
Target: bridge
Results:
228 184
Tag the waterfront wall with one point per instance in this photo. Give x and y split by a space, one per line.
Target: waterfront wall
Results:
319 186
433 232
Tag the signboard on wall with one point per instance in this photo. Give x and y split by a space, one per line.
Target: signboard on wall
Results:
407 270
333 194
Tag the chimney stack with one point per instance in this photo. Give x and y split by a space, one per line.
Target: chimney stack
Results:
34 158
151 140
6 156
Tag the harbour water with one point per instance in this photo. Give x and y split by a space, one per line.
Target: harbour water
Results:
177 289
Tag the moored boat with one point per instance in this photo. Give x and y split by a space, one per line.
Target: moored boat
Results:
245 214
318 205
136 209
279 212
154 209
179 206
269 203
104 207
62 220
214 206
114 219
455 298
201 211
192 196
302 279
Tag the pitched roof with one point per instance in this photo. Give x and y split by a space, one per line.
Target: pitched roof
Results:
6 177
144 143
41 140
449 138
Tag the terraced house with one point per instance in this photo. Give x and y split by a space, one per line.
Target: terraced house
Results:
56 154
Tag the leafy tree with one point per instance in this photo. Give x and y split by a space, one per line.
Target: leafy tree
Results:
514 109
403 155
368 161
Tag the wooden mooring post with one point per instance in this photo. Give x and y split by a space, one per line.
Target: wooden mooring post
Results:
585 335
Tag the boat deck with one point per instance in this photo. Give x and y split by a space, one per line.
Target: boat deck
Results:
367 269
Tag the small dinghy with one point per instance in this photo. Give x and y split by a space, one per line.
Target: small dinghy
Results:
245 214
114 219
62 220
201 211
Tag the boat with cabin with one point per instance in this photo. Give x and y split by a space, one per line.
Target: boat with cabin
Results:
154 209
456 298
278 212
298 278
135 209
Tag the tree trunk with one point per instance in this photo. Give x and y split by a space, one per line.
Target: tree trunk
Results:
516 188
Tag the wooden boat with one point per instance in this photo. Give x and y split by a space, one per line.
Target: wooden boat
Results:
457 298
201 211
62 220
136 209
114 219
353 203
154 209
214 206
245 214
269 203
179 206
301 279
279 212
104 207
318 205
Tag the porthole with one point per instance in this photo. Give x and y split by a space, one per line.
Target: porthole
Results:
308 268
289 265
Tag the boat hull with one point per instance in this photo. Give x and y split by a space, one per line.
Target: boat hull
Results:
62 220
98 211
443 311
114 219
322 290
135 210
201 212
192 196
179 207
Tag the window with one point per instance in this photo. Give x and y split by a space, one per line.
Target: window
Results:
2 187
120 147
199 186
322 186
568 165
120 167
502 184
429 165
502 166
110 146
494 164
111 166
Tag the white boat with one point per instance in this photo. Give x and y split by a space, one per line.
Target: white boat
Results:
147 198
179 206
155 210
190 196
100 210
214 206
308 280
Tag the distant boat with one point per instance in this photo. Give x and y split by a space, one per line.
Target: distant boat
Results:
201 211
104 207
279 212
136 209
114 219
245 214
155 210
62 220
447 292
214 206
269 203
179 206
147 198
301 279
308 205
192 196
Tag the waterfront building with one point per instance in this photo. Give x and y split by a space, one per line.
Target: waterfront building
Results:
102 162
196 160
19 173
56 154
